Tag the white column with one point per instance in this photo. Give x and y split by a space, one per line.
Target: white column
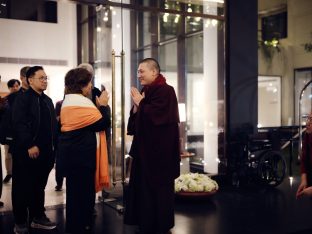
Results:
211 93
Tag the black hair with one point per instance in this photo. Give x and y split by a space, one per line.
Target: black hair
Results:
153 63
76 79
31 72
11 83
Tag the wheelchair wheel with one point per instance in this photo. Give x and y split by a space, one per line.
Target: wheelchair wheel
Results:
271 168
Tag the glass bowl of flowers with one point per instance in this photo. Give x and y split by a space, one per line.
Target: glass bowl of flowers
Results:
195 184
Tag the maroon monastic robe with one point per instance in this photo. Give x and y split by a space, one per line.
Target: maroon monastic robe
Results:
156 159
306 156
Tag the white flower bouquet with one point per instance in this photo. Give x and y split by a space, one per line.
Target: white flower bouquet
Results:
195 182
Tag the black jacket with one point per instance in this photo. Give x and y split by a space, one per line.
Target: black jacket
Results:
26 120
6 129
77 148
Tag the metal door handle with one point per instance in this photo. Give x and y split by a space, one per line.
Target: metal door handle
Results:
122 147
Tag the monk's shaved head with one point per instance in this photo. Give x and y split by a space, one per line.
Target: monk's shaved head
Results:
151 63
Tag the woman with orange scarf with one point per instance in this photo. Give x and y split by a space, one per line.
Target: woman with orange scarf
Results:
82 148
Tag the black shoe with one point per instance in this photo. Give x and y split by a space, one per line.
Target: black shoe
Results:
7 179
58 188
20 229
94 212
87 229
43 223
1 204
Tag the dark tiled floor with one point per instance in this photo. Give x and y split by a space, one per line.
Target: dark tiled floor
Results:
231 211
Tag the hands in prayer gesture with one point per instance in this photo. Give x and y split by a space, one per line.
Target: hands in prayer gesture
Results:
136 97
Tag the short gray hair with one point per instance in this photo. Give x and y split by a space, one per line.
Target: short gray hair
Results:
24 70
88 67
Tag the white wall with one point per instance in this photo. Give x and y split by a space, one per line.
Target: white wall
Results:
38 40
292 53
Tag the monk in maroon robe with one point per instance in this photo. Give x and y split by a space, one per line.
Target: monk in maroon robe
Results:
305 187
154 123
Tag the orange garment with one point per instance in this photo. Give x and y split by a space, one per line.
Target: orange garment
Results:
79 112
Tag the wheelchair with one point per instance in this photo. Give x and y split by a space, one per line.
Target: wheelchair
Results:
258 162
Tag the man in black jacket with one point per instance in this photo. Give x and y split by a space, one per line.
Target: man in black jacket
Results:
2 109
13 86
5 116
35 128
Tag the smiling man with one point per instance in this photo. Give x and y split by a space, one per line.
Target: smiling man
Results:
34 125
154 123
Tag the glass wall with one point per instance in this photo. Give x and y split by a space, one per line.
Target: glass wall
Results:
188 41
190 52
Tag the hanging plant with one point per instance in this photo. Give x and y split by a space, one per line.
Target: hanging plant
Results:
269 48
308 46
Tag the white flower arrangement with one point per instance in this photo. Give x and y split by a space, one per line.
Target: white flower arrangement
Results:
195 182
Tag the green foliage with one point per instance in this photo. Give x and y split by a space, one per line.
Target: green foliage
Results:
308 47
269 48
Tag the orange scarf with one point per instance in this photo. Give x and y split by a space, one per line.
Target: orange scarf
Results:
78 112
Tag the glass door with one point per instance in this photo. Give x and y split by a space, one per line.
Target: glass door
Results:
112 72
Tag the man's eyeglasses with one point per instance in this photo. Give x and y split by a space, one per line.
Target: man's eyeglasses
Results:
43 78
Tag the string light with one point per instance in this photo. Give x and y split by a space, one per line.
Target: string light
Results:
189 9
105 18
165 17
208 22
176 20
291 179
214 22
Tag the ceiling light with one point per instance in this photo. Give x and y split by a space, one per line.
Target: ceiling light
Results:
214 22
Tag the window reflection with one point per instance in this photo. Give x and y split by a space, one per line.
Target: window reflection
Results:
269 101
302 77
